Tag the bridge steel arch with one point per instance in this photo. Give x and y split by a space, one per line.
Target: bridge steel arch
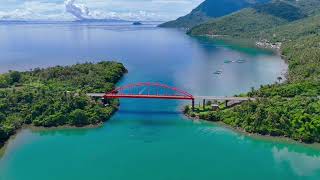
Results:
148 90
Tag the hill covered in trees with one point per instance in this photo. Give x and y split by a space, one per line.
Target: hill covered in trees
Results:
249 22
290 109
56 96
209 10
292 31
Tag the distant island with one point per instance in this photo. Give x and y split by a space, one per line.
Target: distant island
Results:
56 96
290 108
137 23
12 21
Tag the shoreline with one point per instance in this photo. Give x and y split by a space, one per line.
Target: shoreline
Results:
66 124
264 44
260 44
257 136
42 128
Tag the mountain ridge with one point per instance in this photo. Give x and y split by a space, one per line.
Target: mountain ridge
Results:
208 10
250 22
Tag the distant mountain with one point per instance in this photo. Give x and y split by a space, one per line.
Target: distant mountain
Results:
12 21
208 10
251 22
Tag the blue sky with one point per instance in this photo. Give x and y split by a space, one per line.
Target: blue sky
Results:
100 9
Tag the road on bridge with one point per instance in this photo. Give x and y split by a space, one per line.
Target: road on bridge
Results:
149 90
213 98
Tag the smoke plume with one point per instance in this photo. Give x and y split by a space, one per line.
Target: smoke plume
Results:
80 11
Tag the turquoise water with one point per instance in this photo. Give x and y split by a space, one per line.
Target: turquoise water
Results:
148 139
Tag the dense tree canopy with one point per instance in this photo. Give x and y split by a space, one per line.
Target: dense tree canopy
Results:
290 109
56 96
252 22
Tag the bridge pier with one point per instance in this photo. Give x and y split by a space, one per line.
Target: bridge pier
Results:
105 101
226 103
192 104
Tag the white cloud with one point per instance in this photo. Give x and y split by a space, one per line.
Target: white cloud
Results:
83 9
36 10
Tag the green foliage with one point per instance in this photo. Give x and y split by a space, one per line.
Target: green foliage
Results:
252 22
214 116
203 115
291 109
186 109
14 77
282 9
303 55
3 81
56 96
288 90
208 10
246 23
297 118
187 21
292 31
79 117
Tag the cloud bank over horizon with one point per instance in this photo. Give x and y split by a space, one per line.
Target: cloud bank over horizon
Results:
68 10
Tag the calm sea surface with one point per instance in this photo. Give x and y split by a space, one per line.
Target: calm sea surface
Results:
148 139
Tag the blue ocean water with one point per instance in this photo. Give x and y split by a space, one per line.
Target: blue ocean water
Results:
148 139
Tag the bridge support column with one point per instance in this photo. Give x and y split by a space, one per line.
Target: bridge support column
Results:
105 101
226 103
192 104
204 104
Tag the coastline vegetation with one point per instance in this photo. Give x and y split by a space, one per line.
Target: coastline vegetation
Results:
292 108
56 96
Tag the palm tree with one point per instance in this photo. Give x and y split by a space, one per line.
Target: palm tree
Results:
279 78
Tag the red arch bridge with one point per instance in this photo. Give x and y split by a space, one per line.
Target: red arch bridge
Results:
149 90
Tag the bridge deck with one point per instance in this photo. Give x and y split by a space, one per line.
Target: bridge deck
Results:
218 98
142 96
225 98
95 94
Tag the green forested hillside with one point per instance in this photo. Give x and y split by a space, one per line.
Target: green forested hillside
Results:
246 23
290 109
56 96
250 22
208 10
292 31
